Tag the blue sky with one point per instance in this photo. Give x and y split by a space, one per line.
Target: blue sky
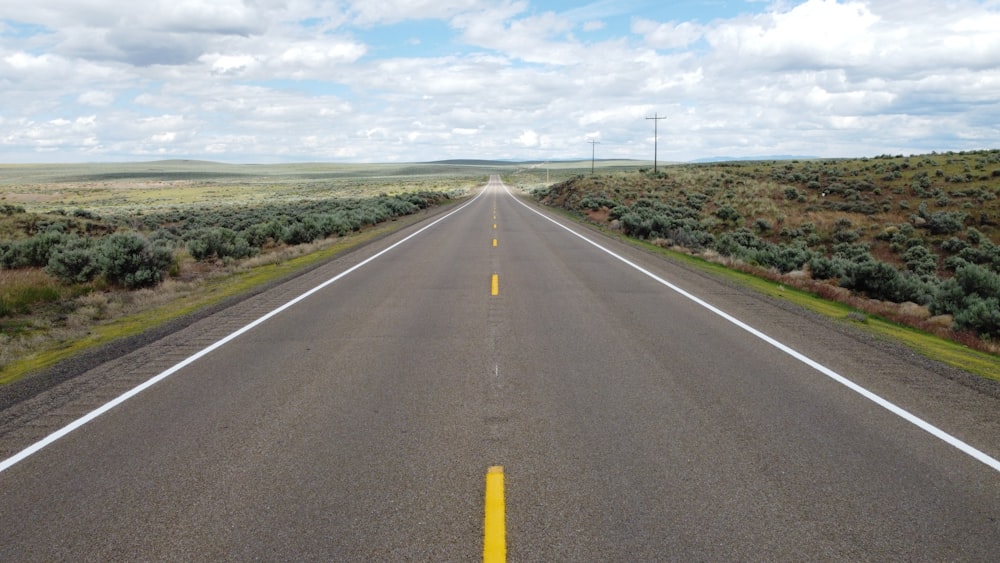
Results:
418 80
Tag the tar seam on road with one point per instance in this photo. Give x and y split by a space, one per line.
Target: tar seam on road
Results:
878 400
494 526
62 432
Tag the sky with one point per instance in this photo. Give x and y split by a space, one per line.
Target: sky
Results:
262 81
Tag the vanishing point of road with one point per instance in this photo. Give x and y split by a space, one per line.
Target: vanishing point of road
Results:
496 383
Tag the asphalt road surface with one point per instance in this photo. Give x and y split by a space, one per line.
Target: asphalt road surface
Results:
632 421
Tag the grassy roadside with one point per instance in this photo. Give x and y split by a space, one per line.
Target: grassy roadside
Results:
207 294
933 347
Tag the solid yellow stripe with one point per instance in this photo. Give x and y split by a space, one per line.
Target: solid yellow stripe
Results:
495 528
495 285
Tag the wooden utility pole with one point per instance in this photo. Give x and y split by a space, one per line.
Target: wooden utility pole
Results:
656 118
592 150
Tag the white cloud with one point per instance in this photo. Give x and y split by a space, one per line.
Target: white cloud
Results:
318 55
535 39
234 64
308 79
165 137
817 33
367 12
98 98
670 35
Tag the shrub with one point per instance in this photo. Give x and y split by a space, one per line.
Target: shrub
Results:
128 260
848 235
945 222
728 213
974 236
968 296
33 252
693 238
206 244
76 261
261 234
954 245
301 232
632 225
762 225
784 258
827 268
980 315
876 279
920 261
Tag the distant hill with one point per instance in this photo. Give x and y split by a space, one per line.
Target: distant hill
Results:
474 162
752 158
471 162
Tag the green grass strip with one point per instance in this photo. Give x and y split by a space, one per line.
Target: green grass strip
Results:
931 346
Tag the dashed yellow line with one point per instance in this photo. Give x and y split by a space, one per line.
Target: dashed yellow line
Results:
495 285
495 527
494 243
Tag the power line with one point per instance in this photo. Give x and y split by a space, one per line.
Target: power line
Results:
592 150
656 118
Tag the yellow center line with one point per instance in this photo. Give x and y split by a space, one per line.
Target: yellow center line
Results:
495 285
494 243
495 526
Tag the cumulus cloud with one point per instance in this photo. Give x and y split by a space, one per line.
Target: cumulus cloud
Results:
309 79
366 12
98 98
669 35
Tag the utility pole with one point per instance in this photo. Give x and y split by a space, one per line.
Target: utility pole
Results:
656 118
592 150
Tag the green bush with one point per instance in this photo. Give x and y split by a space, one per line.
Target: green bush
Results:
967 296
920 261
632 225
127 260
875 279
220 242
32 252
827 268
76 261
302 232
946 222
728 213
746 245
980 315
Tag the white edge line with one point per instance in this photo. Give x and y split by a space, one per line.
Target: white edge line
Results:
878 400
65 430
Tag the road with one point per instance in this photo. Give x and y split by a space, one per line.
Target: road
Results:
631 422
